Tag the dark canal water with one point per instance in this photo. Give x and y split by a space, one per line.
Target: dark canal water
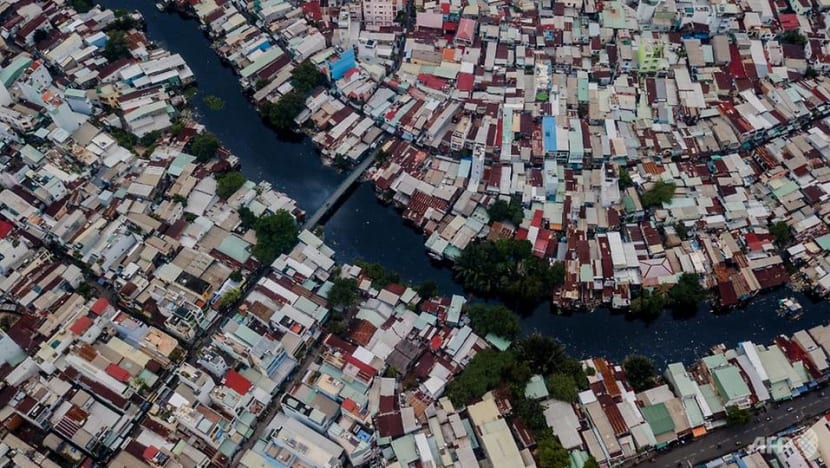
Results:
363 228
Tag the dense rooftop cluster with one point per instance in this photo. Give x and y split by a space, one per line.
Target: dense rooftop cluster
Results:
577 110
145 323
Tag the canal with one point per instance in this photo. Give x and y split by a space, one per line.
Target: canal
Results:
364 228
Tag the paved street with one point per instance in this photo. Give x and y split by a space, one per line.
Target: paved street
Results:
730 438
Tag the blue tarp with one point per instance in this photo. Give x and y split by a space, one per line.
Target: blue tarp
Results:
549 134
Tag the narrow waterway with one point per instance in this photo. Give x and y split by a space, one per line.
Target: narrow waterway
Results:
364 228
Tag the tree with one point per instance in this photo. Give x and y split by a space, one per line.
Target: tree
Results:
792 36
591 463
281 114
562 387
123 138
81 6
123 22
177 128
343 293
640 372
427 289
149 138
380 276
488 369
551 453
505 268
306 76
686 293
117 46
275 234
781 231
204 146
40 35
661 192
681 230
246 217
495 319
502 210
810 72
737 416
229 298
177 354
625 179
228 183
647 304
236 276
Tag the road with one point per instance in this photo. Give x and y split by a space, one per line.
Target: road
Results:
731 438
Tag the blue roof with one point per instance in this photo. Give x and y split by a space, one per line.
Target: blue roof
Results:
549 136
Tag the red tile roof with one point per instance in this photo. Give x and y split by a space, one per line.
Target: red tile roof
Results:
100 306
236 382
118 372
5 228
81 325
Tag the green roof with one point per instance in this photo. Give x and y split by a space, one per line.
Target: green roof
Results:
711 398
535 388
177 166
405 450
498 342
235 248
824 241
729 383
658 418
9 74
684 386
785 189
261 62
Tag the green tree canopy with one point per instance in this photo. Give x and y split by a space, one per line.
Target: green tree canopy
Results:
306 76
427 289
792 36
640 371
737 416
81 6
647 304
686 294
681 230
781 231
281 114
488 369
343 293
236 276
591 463
496 319
275 234
229 298
502 210
562 387
551 454
117 46
546 356
506 268
661 192
379 275
204 146
625 179
228 183
246 217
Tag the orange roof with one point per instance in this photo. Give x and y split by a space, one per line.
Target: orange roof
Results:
449 54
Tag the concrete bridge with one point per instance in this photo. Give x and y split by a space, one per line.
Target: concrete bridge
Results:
342 189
